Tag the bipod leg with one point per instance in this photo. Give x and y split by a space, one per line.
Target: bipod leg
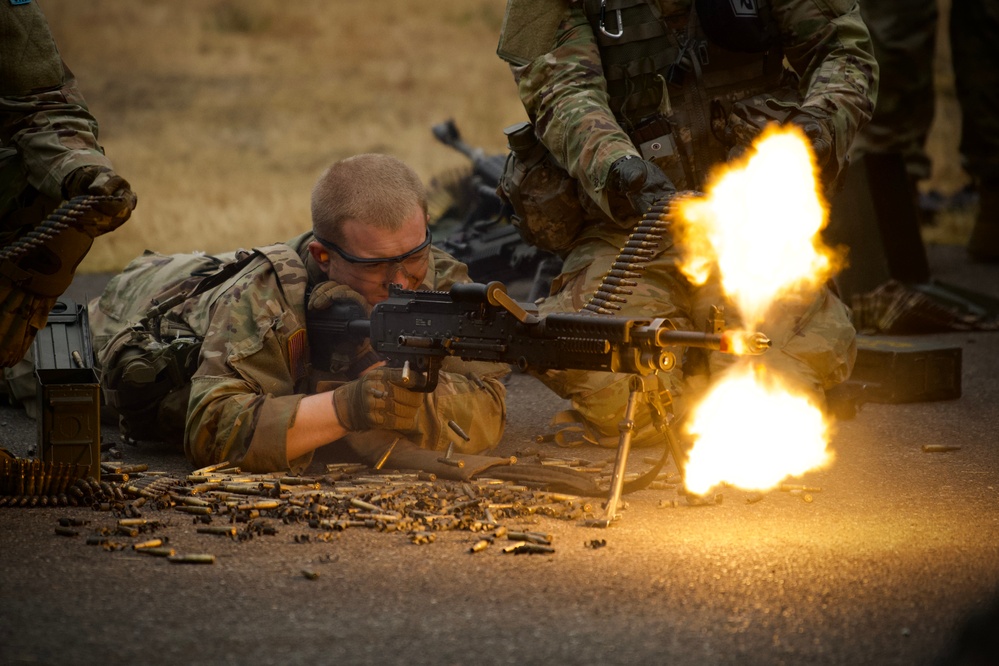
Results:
662 425
627 427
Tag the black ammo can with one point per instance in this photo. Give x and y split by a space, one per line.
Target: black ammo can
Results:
69 424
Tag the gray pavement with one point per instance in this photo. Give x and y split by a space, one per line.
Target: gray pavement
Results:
885 566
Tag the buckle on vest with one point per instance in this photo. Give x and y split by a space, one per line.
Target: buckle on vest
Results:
654 138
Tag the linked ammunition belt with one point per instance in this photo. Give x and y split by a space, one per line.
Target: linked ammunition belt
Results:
67 215
31 483
641 247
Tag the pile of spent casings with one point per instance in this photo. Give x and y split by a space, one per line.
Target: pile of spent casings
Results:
223 501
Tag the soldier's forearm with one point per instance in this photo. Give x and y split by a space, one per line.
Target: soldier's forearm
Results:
316 424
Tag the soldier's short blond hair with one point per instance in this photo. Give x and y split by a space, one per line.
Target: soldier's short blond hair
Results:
375 189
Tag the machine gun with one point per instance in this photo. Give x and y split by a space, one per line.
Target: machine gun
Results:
417 330
477 231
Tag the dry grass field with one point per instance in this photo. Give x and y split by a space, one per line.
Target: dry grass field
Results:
222 113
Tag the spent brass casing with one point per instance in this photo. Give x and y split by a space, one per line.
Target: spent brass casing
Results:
525 548
211 468
196 558
195 510
221 530
530 537
262 505
151 543
158 551
132 522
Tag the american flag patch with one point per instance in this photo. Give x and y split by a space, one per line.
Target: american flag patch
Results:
296 353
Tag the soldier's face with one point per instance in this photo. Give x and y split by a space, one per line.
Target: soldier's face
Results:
370 258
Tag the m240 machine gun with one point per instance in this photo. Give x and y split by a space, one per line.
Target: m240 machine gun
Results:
417 330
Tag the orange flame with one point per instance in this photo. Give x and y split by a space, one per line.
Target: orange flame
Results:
752 431
758 226
757 230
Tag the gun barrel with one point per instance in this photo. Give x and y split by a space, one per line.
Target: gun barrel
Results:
728 342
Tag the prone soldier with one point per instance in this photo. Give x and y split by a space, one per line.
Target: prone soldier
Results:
221 345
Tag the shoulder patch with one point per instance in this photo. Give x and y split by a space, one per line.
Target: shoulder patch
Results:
529 29
20 2
297 353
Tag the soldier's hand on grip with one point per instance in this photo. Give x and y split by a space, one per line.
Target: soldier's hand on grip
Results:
110 213
816 126
633 186
378 399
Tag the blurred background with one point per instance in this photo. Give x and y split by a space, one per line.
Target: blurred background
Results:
222 113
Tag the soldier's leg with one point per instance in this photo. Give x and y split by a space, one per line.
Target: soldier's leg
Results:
600 398
813 341
903 33
974 33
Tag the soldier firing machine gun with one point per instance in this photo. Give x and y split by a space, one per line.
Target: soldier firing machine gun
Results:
416 330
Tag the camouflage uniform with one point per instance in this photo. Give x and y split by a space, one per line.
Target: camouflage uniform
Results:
255 370
974 38
557 63
46 134
904 35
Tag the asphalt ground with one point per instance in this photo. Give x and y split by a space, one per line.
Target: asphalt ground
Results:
890 563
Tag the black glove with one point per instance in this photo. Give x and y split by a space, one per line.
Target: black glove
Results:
816 125
378 399
101 181
633 186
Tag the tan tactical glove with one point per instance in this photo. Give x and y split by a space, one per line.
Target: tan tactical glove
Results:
108 214
378 399
335 302
816 125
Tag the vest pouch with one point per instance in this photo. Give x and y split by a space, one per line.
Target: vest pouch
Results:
748 117
544 197
147 382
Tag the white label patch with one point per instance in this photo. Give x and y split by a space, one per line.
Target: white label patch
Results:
744 8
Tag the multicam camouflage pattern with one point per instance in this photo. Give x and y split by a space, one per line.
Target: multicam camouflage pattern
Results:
46 133
904 34
46 129
564 90
254 371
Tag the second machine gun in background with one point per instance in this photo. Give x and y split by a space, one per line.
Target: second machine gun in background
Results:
475 227
417 330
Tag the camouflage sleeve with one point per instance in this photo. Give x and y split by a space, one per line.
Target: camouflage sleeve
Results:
243 395
565 95
42 113
829 47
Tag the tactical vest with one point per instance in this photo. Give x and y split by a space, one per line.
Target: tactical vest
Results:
672 77
148 326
